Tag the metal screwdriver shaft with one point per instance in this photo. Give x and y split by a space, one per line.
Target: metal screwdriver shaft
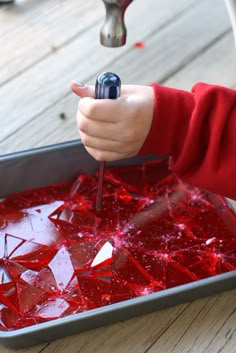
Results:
100 186
107 87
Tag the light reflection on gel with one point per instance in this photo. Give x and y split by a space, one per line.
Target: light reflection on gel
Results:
59 256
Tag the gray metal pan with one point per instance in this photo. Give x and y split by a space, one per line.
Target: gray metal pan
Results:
62 162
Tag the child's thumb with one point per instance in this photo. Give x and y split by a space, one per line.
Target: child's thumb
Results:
82 90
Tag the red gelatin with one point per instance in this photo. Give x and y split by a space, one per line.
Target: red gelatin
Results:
59 256
139 45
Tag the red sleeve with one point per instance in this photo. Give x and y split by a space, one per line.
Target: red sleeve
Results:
198 131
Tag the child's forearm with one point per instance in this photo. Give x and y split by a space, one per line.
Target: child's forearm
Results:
198 131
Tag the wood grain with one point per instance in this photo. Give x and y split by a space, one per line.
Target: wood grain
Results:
81 59
48 94
33 30
195 332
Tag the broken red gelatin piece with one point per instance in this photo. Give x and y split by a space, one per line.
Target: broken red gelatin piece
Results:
117 210
82 254
84 185
127 268
155 171
138 179
29 254
8 318
60 256
43 280
177 275
28 224
94 289
36 197
62 268
131 178
28 296
119 291
139 45
8 296
51 309
14 270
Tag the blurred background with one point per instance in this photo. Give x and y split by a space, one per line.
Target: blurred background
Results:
46 44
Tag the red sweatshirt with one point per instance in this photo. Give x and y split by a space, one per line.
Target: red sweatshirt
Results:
198 131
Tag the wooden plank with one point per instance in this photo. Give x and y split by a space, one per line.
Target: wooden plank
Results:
33 30
171 49
32 349
34 132
221 72
133 336
30 31
217 65
50 78
224 340
209 332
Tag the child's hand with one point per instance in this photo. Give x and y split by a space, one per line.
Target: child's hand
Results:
114 129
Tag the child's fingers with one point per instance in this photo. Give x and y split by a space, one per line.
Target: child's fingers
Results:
97 128
106 156
89 91
98 143
103 110
82 90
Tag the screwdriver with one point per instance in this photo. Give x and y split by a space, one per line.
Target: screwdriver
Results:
108 86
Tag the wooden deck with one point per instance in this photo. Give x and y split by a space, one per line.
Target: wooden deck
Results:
45 44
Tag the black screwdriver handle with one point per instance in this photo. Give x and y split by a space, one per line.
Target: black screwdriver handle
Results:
108 86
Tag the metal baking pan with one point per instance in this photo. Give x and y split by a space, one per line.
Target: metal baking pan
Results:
63 162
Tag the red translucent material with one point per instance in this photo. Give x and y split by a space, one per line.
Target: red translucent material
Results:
59 256
139 45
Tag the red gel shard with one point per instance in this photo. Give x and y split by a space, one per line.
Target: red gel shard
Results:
44 280
119 291
4 276
30 225
31 255
127 268
82 254
28 296
9 297
36 197
62 268
85 186
139 44
131 178
94 289
177 275
155 171
153 263
14 270
51 309
60 256
8 318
